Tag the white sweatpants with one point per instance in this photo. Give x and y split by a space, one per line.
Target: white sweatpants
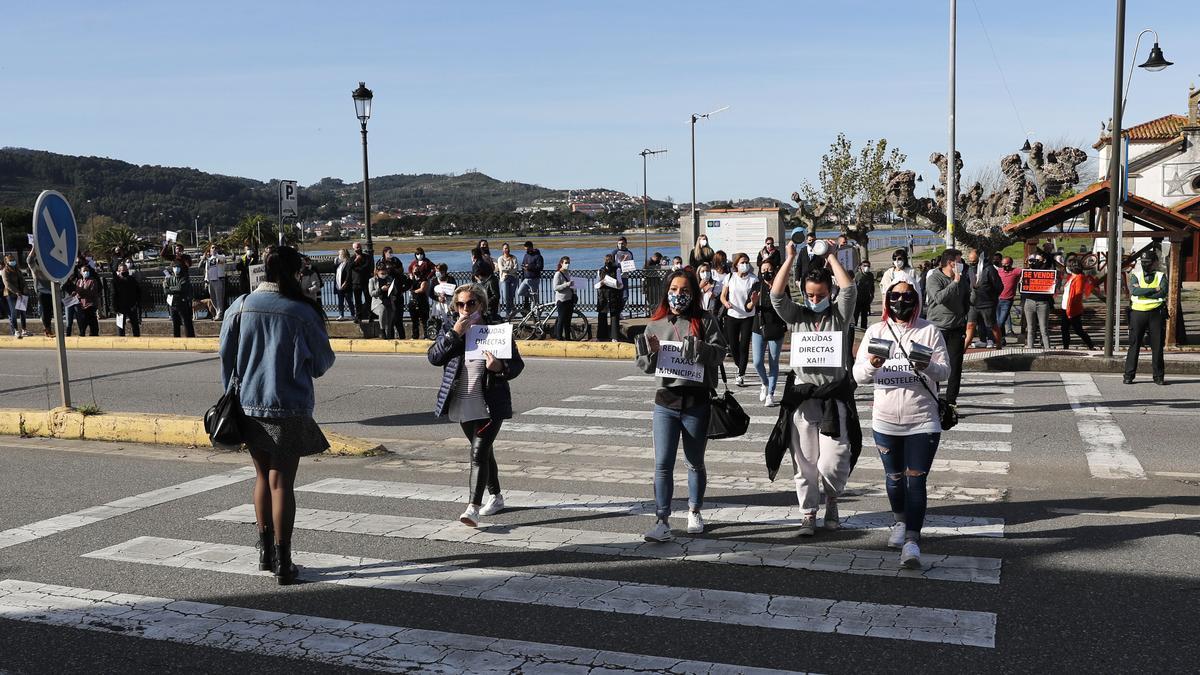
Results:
818 459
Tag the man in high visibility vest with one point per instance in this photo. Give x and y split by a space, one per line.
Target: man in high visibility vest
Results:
1148 299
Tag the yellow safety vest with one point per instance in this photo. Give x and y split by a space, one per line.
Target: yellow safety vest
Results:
1141 303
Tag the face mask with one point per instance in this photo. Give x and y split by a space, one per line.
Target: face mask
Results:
679 301
818 307
744 268
621 245
898 264
566 266
87 274
766 275
866 268
176 270
420 256
12 263
958 266
902 307
704 242
1007 267
707 276
676 267
122 272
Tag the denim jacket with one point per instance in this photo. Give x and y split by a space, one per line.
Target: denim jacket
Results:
277 346
447 351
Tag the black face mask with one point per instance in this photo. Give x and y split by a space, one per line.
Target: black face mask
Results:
902 305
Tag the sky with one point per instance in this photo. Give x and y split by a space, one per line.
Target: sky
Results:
566 93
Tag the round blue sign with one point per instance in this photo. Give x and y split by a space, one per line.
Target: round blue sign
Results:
55 237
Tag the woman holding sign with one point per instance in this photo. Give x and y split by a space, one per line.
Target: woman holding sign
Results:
683 346
904 357
819 393
475 391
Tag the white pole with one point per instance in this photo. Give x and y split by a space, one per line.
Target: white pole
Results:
951 183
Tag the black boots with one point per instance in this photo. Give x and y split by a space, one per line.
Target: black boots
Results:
266 550
285 571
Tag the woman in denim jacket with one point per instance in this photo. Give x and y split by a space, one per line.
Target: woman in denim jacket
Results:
474 393
274 339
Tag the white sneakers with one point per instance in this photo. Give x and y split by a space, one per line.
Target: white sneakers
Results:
741 380
770 400
896 535
661 532
808 525
762 393
910 556
695 522
494 505
470 517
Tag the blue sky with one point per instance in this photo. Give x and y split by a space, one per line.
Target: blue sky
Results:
564 94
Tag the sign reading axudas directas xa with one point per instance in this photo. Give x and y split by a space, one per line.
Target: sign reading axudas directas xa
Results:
55 237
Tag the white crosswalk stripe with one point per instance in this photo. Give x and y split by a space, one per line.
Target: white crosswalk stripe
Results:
714 511
341 643
599 595
1107 451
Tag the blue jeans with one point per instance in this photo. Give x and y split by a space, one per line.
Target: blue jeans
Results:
669 425
15 315
1004 316
756 350
528 288
508 292
902 457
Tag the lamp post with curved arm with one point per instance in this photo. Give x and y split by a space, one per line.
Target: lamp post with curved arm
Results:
362 108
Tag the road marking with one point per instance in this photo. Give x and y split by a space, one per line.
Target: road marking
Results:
346 644
1143 515
598 595
757 439
715 482
120 507
1175 474
611 400
396 386
724 512
643 414
1108 454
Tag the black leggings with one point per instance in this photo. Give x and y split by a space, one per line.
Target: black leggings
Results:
562 326
737 334
481 434
1075 324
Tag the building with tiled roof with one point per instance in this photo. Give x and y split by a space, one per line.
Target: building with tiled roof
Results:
1161 130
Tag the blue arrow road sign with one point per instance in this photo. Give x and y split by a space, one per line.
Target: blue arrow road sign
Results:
55 237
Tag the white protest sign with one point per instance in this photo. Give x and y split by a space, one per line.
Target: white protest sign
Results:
30 237
496 339
817 349
579 283
171 235
898 374
672 364
444 289
120 320
170 300
628 265
257 274
70 301
21 303
608 281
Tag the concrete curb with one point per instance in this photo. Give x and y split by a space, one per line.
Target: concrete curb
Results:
140 428
552 348
1032 360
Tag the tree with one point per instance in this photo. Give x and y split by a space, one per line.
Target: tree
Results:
118 241
854 186
247 231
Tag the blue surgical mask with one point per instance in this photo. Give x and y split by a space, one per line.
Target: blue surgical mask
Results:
818 307
679 301
176 270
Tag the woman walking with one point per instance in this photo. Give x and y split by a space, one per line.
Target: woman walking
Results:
767 339
474 393
275 344
740 298
609 300
904 415
681 404
564 299
822 396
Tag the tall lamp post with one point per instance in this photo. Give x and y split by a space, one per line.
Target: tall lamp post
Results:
695 213
1155 62
951 162
362 107
645 211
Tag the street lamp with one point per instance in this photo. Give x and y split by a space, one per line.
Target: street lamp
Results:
695 213
362 107
1156 62
645 215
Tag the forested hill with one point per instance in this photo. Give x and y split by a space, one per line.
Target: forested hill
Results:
147 197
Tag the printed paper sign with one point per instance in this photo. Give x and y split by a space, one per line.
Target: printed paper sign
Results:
216 270
22 303
672 364
819 349
170 300
120 320
898 374
171 235
1038 282
70 301
257 274
628 265
579 283
496 339
608 281
30 238
444 289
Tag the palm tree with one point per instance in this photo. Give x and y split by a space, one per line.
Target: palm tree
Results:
118 241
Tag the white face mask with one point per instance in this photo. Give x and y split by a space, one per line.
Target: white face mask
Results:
744 268
958 267
676 267
566 266
898 264
706 275
420 256
703 242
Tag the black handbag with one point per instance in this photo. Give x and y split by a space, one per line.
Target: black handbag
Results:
947 413
726 419
222 422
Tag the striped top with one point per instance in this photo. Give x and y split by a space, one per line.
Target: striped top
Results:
467 402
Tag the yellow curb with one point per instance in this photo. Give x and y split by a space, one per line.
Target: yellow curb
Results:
141 428
548 348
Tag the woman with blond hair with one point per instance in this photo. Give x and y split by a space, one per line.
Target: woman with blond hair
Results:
474 393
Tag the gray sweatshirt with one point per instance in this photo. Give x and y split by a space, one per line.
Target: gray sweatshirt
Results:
710 351
838 318
946 300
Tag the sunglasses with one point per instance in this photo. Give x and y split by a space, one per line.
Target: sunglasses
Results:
895 296
465 305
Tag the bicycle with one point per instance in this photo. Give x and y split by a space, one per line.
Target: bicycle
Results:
539 323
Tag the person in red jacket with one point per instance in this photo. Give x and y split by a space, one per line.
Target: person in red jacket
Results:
1076 288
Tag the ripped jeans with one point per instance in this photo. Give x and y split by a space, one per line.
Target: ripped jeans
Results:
669 425
906 462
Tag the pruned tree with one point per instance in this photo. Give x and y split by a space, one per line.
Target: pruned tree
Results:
852 186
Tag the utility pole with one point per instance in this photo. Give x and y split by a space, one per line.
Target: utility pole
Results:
951 163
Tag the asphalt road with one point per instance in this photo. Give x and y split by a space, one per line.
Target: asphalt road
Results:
1051 562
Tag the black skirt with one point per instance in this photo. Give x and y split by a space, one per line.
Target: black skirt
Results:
284 436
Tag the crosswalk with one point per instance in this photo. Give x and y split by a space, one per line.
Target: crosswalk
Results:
577 481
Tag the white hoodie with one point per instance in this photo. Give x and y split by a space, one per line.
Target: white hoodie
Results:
900 399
